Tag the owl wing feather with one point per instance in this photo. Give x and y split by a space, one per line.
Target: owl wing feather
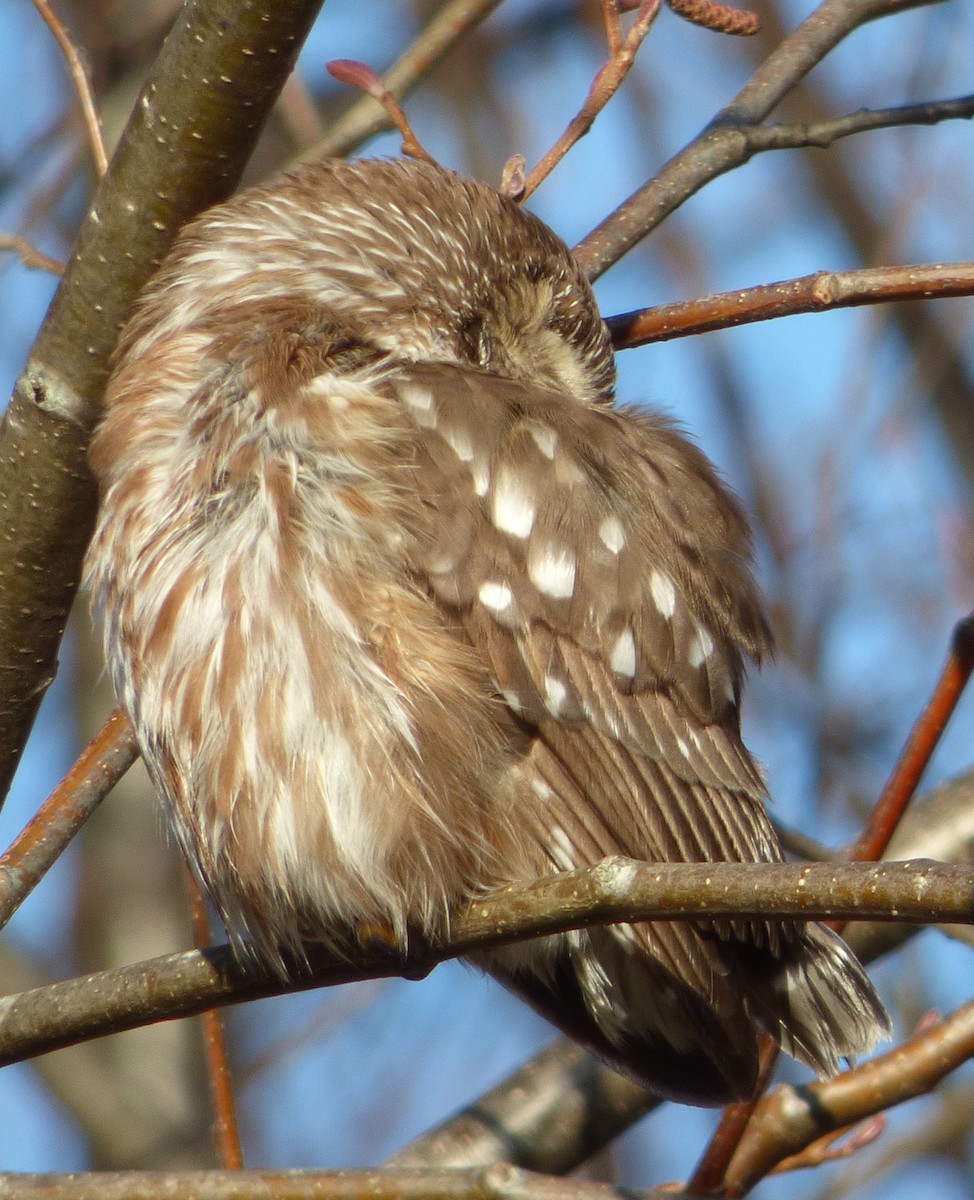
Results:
569 540
570 561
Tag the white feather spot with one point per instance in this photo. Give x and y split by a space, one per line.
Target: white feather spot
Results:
420 400
664 593
329 388
623 660
556 693
701 647
481 478
545 439
512 509
541 789
612 535
563 852
495 596
552 571
460 443
512 700
683 747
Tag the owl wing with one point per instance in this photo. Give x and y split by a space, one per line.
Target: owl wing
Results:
602 571
571 539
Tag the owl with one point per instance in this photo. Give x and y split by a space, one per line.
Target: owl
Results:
405 608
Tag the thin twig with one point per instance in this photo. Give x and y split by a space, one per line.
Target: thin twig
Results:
82 87
98 768
604 87
920 745
450 25
823 134
822 292
711 1169
360 75
30 256
226 1132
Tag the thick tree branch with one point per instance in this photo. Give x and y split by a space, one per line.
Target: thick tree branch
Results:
550 1115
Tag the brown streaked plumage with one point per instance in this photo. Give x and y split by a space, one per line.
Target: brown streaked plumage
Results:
404 608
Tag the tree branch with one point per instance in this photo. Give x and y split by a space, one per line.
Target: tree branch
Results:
48 834
822 292
498 1182
790 1119
723 144
617 889
367 116
822 134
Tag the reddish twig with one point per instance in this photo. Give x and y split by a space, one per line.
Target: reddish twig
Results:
843 1143
708 1175
98 768
821 292
604 87
360 75
920 745
451 23
226 1131
82 87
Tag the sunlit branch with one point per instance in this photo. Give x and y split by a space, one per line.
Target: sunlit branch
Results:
615 890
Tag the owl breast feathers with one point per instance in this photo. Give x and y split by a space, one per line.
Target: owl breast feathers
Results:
403 608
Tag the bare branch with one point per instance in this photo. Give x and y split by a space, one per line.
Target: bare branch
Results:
824 133
98 768
821 292
604 87
616 890
226 1130
498 1182
790 1119
550 1115
723 144
30 256
360 75
367 117
79 77
920 745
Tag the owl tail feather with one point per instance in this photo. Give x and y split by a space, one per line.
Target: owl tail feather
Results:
604 991
819 1005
